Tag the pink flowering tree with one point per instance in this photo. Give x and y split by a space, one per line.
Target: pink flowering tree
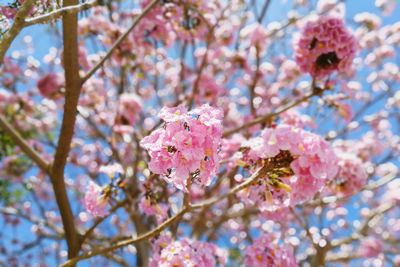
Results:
199 133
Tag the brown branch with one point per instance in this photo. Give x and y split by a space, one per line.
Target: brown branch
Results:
72 92
25 147
100 220
15 28
119 41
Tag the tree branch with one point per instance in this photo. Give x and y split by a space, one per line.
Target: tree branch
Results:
25 147
119 41
72 92
268 116
10 35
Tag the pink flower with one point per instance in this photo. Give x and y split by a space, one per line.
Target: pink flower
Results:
256 35
95 201
371 247
50 85
130 106
112 169
371 21
185 252
351 176
186 146
265 252
325 46
8 12
209 90
387 6
300 163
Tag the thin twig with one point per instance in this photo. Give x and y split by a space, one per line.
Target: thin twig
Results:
268 116
119 41
25 147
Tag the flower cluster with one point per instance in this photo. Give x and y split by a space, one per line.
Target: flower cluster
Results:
95 200
130 106
325 46
298 164
186 146
351 176
371 247
49 85
265 252
185 253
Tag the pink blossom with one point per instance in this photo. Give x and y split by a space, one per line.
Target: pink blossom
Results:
150 207
371 247
8 12
95 201
306 160
371 21
50 85
112 169
185 253
186 147
387 6
351 176
266 252
209 90
325 46
130 106
256 35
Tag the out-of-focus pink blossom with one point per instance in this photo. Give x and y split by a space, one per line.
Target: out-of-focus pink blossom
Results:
111 170
371 247
325 46
95 201
371 21
351 176
266 252
8 12
49 86
130 107
387 6
256 35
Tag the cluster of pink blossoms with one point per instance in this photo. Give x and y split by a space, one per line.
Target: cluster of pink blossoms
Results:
186 146
49 85
129 109
351 176
95 201
371 247
300 164
265 252
186 253
325 46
